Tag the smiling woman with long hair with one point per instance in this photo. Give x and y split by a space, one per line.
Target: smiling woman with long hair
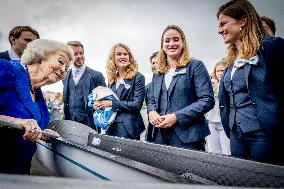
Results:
182 94
250 93
129 85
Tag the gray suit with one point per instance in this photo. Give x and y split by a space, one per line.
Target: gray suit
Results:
189 97
88 81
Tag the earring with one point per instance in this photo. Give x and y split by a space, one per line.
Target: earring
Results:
240 29
39 60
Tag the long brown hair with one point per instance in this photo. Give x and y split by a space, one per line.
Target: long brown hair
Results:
111 69
251 34
184 58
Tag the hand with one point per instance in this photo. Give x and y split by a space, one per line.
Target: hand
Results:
102 104
168 121
51 132
155 118
32 130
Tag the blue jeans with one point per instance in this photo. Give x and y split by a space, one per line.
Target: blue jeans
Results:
255 145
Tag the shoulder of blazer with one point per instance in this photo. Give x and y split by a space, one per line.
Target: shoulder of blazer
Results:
194 62
93 72
5 55
139 75
272 45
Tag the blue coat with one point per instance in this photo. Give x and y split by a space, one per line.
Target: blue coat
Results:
16 101
190 97
265 87
129 104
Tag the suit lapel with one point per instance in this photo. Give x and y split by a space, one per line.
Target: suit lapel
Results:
86 84
23 89
158 87
246 72
119 90
65 84
127 90
174 80
112 86
172 85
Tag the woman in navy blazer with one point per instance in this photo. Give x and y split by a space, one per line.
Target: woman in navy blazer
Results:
182 94
43 62
251 90
129 85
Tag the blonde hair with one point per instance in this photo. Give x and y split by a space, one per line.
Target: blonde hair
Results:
221 62
41 48
183 59
250 35
111 69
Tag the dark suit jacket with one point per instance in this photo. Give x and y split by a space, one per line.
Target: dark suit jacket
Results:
150 128
130 103
5 55
16 101
265 87
190 97
92 79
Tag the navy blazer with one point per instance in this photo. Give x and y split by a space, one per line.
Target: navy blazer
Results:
190 97
265 87
16 102
150 128
130 103
92 79
5 55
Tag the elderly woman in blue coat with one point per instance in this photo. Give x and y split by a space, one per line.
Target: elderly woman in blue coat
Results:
251 91
182 94
43 62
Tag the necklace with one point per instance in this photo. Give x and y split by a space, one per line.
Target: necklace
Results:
32 91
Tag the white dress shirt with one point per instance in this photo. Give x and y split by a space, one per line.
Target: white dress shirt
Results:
77 73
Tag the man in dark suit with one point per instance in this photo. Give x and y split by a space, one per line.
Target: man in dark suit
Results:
78 84
150 129
268 25
19 37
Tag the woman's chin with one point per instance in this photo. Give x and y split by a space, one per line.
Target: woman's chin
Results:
51 81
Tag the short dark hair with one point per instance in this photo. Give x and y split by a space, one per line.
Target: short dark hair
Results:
270 23
153 55
17 31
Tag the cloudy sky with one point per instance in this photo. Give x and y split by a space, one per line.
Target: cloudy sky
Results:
99 24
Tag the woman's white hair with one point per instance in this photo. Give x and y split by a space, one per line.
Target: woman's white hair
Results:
41 48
